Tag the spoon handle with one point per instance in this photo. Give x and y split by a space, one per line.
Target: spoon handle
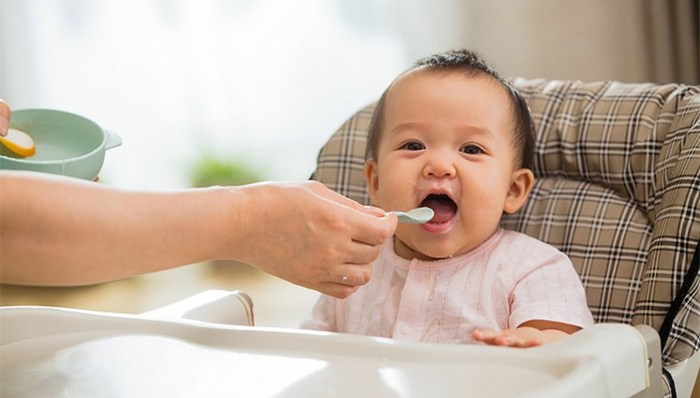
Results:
415 216
403 217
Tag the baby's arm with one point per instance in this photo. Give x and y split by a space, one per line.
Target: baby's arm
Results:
529 334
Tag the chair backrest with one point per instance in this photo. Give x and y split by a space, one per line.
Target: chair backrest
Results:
618 190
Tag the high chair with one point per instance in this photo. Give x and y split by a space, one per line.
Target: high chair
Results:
618 190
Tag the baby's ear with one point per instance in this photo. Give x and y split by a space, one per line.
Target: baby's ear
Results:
521 184
372 179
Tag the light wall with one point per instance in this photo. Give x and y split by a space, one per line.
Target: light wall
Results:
625 40
268 81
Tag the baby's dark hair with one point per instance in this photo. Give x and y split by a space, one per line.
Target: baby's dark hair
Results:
473 65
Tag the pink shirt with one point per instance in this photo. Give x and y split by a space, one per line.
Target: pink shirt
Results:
509 279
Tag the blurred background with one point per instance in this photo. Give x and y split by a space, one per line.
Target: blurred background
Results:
232 91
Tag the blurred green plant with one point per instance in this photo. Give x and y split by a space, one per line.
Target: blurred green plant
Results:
214 170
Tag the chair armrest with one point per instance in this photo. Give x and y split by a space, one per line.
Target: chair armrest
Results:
684 375
212 306
629 355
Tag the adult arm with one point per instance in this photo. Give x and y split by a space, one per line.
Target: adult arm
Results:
60 231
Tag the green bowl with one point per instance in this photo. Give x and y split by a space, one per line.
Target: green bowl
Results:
66 143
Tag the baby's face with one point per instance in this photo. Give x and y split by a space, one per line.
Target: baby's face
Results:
446 143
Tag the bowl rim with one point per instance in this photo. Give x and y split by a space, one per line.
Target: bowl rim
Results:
99 148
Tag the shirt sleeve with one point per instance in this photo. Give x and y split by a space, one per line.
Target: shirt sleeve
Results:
550 290
323 315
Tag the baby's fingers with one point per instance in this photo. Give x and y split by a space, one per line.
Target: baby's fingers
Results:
484 335
491 337
505 338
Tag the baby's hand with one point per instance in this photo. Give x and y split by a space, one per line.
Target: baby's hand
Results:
529 334
522 337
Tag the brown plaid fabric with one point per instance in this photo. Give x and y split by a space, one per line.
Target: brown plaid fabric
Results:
618 190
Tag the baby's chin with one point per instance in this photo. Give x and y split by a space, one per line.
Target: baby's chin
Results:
423 252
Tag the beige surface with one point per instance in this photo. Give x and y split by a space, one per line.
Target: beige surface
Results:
276 302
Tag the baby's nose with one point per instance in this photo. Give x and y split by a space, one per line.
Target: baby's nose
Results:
440 166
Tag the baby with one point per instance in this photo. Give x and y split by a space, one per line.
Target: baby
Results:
451 134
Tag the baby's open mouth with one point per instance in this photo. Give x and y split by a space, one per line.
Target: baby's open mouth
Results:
444 207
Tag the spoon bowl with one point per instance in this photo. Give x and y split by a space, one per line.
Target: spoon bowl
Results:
420 215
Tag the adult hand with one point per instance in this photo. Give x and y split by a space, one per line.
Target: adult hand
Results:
4 117
311 236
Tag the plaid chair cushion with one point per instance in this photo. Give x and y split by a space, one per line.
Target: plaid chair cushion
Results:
618 190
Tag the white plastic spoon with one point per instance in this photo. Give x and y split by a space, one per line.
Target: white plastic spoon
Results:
420 215
19 142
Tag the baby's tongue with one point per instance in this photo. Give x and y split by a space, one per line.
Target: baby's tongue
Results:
443 207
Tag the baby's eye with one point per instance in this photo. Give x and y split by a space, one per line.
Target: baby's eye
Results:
413 146
471 149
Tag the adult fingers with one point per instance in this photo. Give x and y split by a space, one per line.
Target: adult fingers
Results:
368 224
337 290
361 253
333 196
342 280
4 117
370 229
351 274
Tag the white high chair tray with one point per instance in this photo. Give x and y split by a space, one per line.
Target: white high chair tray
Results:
46 351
